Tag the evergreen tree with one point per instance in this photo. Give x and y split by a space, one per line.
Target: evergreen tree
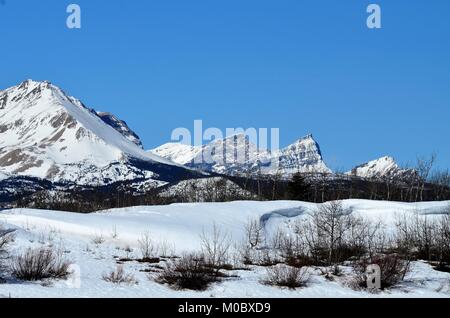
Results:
298 188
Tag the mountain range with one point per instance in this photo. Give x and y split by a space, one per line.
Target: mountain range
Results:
50 135
237 155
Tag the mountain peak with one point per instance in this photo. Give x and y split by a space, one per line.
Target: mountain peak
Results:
31 84
308 139
380 168
50 135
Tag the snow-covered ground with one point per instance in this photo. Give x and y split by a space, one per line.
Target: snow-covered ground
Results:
179 226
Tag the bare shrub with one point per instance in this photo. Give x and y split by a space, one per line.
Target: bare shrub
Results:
443 241
420 236
254 233
98 239
119 276
287 276
215 247
147 247
191 271
166 250
245 254
393 269
6 237
38 264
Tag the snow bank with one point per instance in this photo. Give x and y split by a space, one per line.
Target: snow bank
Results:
182 224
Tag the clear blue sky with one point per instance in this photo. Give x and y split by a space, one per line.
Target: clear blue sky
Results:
303 66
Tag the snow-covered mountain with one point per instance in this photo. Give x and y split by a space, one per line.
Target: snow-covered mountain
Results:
304 155
384 167
47 134
237 155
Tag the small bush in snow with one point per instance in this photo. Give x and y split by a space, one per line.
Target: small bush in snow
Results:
147 247
38 264
287 276
393 270
191 271
98 239
119 276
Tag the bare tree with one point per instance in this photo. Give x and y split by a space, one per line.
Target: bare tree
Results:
254 232
424 167
215 247
332 221
441 183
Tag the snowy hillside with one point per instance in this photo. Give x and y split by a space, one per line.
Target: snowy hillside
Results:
176 152
48 134
179 227
379 168
238 155
215 189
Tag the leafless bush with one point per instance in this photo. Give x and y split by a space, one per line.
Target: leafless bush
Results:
292 250
40 263
147 246
215 247
98 239
423 237
254 232
191 271
392 266
119 276
246 254
287 276
6 237
443 241
166 250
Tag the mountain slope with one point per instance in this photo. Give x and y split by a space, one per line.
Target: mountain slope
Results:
48 134
120 126
237 155
384 167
